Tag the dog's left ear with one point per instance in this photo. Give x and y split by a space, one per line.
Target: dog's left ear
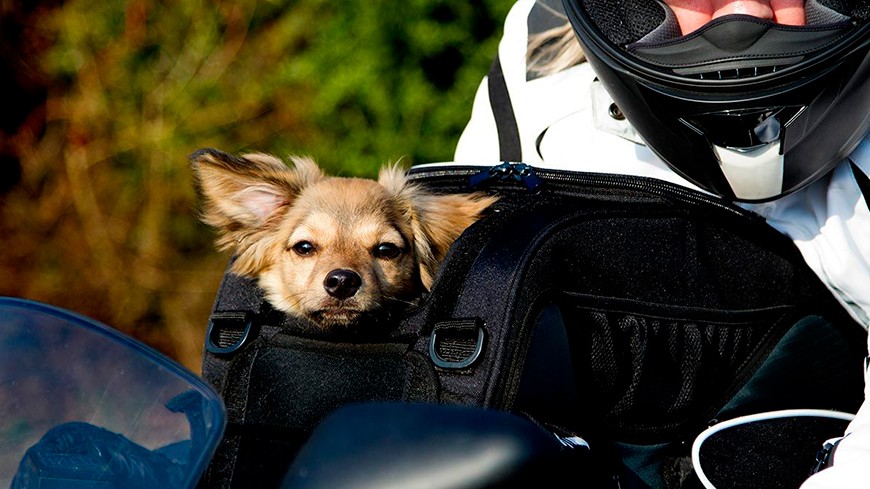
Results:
437 220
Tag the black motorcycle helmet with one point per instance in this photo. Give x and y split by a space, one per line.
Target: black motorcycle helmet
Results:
742 107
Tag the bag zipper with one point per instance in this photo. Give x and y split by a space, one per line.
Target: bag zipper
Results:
508 176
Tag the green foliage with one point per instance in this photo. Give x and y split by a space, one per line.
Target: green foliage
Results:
352 83
105 200
393 80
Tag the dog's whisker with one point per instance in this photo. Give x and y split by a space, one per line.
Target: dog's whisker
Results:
393 300
289 304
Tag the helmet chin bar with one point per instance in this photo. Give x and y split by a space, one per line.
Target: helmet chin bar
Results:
748 143
743 129
754 174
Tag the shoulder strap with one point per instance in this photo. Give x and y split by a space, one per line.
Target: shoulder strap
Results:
510 148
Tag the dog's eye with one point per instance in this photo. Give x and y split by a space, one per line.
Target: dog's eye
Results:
387 251
303 248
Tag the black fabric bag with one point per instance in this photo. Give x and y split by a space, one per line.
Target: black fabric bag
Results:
626 310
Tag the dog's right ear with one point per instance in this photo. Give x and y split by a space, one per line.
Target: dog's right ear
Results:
245 196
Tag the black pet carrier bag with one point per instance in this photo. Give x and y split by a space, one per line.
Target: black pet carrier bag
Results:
625 312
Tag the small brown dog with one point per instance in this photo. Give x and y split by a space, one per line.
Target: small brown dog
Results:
334 250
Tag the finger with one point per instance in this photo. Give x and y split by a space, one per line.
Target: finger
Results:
789 12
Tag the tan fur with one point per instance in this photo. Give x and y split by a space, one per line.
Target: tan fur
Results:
262 208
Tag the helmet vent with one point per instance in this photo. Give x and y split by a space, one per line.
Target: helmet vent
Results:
733 74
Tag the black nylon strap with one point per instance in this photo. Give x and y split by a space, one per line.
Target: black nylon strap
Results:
219 473
236 296
505 120
863 181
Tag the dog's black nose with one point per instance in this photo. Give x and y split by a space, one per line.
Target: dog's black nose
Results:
342 284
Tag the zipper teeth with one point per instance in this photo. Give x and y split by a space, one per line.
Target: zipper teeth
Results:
630 182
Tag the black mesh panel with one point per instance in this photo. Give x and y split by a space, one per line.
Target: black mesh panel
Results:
625 22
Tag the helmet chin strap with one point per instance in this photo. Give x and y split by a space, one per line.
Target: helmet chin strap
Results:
754 174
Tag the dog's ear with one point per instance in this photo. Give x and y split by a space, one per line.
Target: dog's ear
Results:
436 219
245 196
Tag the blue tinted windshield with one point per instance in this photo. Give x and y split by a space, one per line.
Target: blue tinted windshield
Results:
81 404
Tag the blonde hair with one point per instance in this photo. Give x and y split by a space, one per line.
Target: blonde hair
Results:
553 50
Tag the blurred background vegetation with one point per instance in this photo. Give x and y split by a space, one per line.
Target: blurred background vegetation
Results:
103 101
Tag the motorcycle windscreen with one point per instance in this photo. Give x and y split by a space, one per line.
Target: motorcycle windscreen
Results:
84 406
774 449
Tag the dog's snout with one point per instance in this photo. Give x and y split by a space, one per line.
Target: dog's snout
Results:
342 284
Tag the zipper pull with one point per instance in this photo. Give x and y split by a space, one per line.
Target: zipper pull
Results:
506 172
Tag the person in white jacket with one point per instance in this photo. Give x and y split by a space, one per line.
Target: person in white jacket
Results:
763 102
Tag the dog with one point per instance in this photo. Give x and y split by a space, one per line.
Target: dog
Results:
338 251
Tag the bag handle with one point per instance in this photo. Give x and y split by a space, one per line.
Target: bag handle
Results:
487 325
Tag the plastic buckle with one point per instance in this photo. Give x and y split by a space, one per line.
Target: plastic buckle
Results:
457 343
227 332
824 456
